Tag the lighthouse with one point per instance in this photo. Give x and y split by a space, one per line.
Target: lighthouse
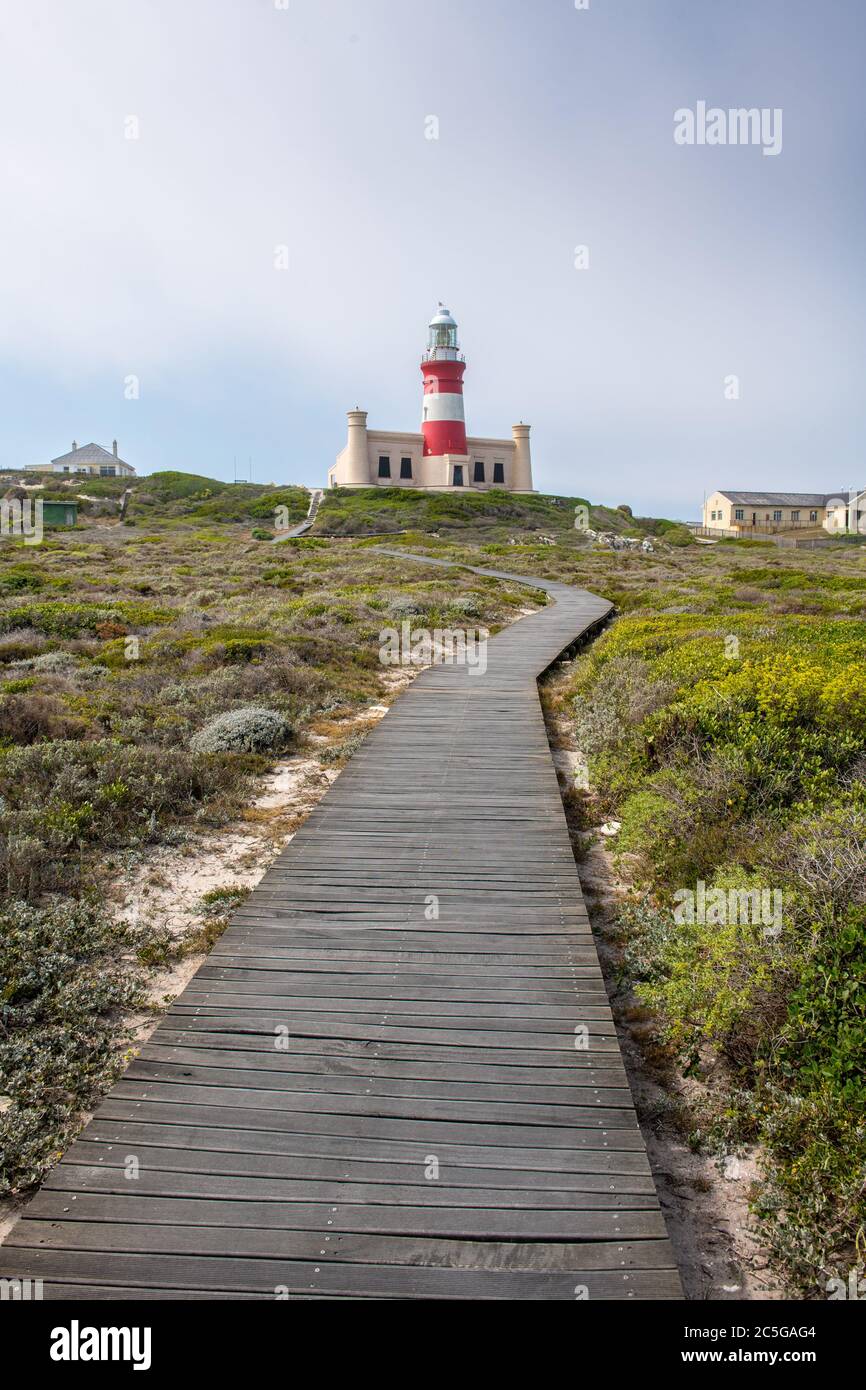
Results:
441 458
443 422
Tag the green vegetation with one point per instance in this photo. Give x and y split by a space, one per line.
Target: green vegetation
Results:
171 499
733 751
70 619
215 908
184 497
495 513
66 973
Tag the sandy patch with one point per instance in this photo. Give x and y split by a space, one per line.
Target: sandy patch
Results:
165 893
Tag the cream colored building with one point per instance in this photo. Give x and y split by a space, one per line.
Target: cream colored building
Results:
767 513
847 512
388 458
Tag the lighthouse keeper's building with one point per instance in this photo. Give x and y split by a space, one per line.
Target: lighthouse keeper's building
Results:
441 458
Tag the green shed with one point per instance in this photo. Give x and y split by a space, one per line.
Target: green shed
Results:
59 513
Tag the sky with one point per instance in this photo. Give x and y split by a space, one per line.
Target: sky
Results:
226 222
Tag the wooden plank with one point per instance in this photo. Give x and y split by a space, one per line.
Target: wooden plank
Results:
346 1055
282 1277
159 1182
275 1074
328 1102
473 1223
381 1027
349 1168
591 1156
269 1244
370 1124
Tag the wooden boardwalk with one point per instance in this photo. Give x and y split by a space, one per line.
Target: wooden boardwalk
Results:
355 1097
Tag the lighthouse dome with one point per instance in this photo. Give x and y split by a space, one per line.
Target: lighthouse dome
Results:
443 316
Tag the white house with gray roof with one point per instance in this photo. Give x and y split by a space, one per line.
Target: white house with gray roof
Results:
90 459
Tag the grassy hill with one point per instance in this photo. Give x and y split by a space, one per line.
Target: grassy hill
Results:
173 498
493 515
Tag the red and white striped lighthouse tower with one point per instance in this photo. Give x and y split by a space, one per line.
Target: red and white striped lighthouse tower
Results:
443 423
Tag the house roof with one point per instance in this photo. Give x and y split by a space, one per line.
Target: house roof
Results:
778 499
90 453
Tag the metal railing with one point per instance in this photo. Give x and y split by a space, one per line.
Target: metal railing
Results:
744 529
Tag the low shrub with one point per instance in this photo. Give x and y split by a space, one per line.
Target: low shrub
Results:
405 606
253 729
27 717
465 605
50 663
68 619
64 981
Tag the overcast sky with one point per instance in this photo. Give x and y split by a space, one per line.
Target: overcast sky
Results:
306 127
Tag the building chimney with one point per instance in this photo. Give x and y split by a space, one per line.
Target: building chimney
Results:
74 446
114 447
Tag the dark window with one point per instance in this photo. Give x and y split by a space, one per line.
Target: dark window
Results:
795 516
478 475
738 514
106 472
405 468
458 475
813 516
777 516
498 473
384 467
